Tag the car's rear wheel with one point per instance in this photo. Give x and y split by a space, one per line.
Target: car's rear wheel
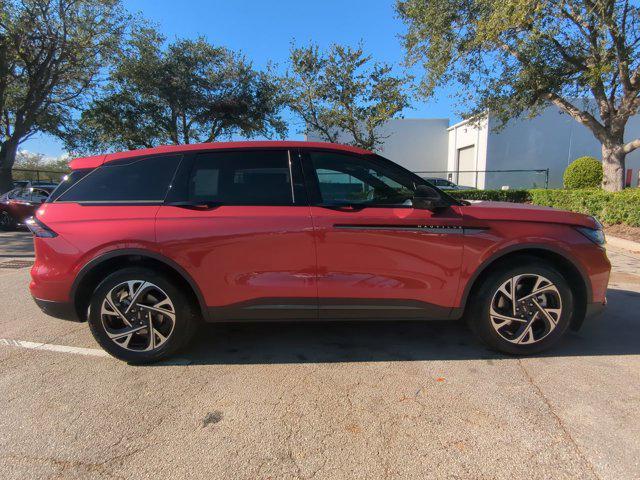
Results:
522 309
7 222
141 316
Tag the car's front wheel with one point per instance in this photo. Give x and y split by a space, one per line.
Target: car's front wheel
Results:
140 316
522 307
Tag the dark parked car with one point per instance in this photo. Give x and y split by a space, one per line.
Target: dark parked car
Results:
444 184
30 183
20 203
146 244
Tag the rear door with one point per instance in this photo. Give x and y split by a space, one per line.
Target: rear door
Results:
378 257
239 223
112 207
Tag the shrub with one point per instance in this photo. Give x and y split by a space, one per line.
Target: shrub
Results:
584 172
610 208
517 196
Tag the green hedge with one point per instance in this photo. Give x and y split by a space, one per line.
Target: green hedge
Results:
609 208
517 196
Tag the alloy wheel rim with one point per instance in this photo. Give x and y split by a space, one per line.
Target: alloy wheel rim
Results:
525 309
138 316
4 219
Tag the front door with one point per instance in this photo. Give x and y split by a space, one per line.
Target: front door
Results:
242 228
378 257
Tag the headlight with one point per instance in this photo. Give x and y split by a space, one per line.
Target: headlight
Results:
596 236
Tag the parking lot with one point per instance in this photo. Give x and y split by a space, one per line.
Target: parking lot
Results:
334 400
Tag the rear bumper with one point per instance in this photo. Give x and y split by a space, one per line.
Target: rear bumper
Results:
61 310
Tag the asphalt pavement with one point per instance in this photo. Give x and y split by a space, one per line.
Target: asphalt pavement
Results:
319 400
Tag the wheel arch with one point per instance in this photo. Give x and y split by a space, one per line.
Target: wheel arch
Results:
92 273
577 278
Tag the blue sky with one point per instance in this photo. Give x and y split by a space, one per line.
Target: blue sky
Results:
264 30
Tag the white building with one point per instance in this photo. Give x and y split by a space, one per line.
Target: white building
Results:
416 144
474 154
552 140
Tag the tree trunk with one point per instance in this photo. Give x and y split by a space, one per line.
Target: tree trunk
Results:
613 157
8 152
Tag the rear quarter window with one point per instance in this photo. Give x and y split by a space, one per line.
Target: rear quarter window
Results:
138 180
67 182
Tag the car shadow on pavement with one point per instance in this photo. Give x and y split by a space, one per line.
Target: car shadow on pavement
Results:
616 332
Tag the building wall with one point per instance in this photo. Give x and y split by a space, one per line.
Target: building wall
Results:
465 135
417 144
551 140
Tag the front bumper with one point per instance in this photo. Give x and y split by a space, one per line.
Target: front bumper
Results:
595 309
592 310
61 310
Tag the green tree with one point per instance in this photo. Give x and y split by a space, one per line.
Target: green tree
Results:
513 57
51 54
343 91
37 161
187 92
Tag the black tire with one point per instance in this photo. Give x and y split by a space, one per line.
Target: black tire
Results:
7 222
478 311
184 326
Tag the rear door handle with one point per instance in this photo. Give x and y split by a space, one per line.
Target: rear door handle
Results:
194 205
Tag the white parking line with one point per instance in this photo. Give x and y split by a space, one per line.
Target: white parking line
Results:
94 352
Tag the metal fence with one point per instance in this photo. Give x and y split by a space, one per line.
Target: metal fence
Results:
36 175
493 179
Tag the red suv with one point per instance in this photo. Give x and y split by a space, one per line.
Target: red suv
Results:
146 244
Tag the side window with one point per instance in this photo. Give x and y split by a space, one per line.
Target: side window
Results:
138 180
242 178
39 195
68 181
348 179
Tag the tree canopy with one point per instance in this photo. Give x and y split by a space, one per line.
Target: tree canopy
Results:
514 57
343 91
51 56
189 91
37 161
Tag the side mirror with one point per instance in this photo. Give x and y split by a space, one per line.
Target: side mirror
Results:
426 198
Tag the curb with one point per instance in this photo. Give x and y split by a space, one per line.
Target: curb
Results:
624 244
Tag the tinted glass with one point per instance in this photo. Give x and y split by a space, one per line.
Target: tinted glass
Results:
347 179
68 181
242 178
143 180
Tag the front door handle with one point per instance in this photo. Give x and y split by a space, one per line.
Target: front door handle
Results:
343 207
